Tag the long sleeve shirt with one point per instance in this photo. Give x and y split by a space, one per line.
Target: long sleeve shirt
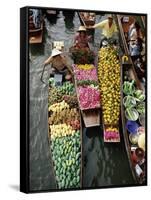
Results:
106 30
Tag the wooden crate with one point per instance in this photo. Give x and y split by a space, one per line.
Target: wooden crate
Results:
110 141
91 117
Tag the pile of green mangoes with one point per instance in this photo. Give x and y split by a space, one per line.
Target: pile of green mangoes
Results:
67 88
66 155
58 94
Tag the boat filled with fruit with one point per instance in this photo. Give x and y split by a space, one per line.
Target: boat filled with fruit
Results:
109 85
65 133
133 101
133 120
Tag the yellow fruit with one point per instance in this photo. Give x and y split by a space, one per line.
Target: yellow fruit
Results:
109 83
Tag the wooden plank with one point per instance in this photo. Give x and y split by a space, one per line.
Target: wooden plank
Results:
91 117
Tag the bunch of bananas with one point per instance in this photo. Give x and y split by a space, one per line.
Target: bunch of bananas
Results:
60 115
61 130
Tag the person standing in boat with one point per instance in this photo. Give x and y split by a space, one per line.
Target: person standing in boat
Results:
81 39
135 40
58 63
109 29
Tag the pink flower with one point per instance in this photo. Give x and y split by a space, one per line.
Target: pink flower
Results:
89 97
81 74
111 135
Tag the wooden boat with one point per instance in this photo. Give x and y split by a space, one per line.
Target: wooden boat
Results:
127 65
124 22
87 19
35 33
107 128
50 140
91 117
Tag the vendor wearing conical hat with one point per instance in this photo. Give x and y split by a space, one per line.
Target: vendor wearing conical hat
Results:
58 61
81 39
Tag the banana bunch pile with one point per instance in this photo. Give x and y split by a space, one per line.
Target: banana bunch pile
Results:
62 113
61 130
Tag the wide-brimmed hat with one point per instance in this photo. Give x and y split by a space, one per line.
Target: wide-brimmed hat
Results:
81 28
55 52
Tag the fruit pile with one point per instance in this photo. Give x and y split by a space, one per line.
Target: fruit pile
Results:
57 94
67 160
67 88
87 86
62 113
133 101
72 101
64 133
61 130
109 83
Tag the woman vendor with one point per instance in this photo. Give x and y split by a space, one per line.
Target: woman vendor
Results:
81 39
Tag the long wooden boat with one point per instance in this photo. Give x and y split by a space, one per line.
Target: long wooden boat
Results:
111 132
91 117
35 33
124 28
128 66
87 19
129 147
55 164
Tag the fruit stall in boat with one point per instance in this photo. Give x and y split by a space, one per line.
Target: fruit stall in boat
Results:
97 93
35 26
132 112
133 120
109 85
65 131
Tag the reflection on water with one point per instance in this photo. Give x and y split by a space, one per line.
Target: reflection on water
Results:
103 164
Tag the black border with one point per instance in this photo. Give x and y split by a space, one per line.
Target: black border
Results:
24 101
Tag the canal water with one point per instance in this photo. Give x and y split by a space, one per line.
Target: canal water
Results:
103 164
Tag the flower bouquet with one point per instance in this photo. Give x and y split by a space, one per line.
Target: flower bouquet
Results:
89 97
